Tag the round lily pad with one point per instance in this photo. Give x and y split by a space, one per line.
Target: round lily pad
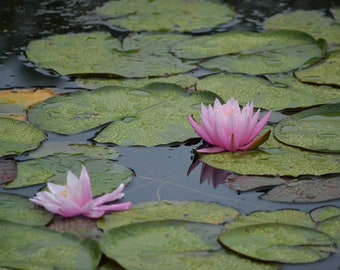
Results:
190 211
20 210
278 242
98 53
326 72
316 129
105 174
162 16
274 158
26 247
171 244
277 92
17 137
252 53
325 212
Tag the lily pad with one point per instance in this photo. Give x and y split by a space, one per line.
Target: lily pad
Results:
252 53
325 212
279 242
277 92
98 53
332 228
8 170
190 211
20 210
171 244
105 174
155 114
17 137
160 16
316 129
26 247
274 158
246 183
312 22
326 72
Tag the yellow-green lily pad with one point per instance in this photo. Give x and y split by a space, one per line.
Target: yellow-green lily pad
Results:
190 211
99 54
325 212
180 15
279 242
17 137
331 227
316 129
33 247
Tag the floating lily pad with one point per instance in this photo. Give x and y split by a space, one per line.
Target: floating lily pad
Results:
325 212
279 242
25 247
148 116
316 129
17 137
312 22
252 53
160 16
285 216
20 210
139 55
278 92
8 170
274 158
171 245
105 174
190 211
331 227
326 72
246 183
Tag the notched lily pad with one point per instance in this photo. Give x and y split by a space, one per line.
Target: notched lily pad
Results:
279 242
17 137
315 129
160 16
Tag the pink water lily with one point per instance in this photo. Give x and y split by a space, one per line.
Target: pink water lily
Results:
76 199
228 128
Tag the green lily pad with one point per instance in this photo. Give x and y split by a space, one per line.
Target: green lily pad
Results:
148 116
171 244
20 210
279 242
285 216
160 16
17 137
316 129
26 247
325 212
139 55
190 211
274 158
278 92
252 53
305 191
312 22
105 174
332 228
326 72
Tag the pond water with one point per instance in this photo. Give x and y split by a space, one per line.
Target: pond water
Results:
161 173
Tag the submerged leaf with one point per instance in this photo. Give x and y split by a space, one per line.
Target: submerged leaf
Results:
8 170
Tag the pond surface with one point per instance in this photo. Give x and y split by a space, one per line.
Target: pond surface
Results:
161 173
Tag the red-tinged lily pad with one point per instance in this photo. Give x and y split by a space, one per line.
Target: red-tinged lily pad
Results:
8 170
306 191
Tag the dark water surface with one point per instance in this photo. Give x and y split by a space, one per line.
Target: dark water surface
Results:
161 172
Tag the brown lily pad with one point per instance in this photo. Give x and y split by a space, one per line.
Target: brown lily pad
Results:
8 170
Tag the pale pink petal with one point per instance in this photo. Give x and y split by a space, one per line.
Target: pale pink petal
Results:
56 189
110 197
199 130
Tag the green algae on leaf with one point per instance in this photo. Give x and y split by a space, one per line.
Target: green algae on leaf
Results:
279 242
105 174
277 92
211 213
316 129
326 72
19 209
17 137
162 16
172 244
252 53
33 247
274 158
98 53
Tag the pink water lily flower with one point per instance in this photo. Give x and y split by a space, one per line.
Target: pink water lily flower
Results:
228 128
76 199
